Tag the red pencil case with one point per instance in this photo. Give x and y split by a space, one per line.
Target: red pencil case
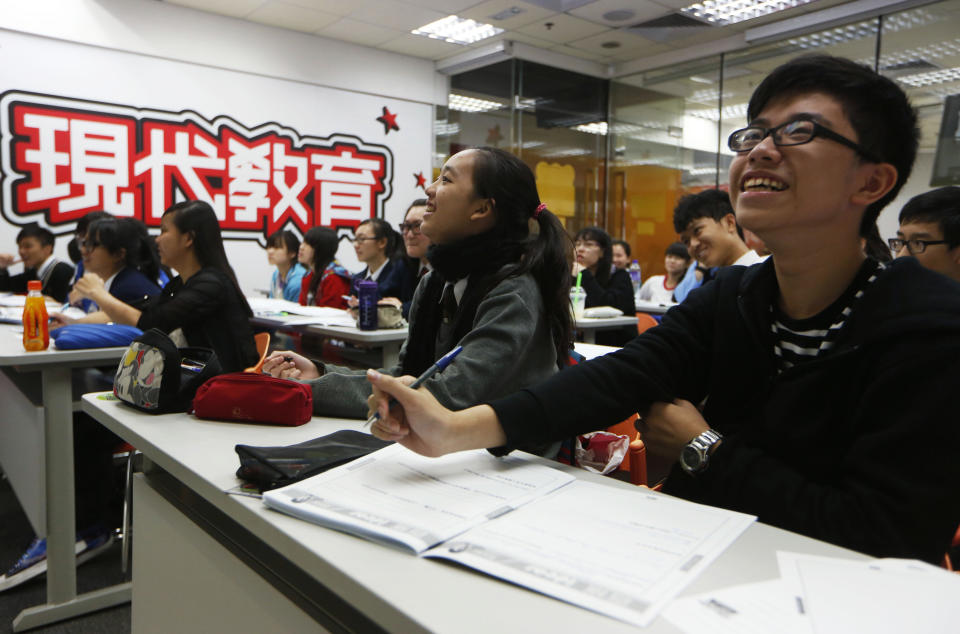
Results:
254 398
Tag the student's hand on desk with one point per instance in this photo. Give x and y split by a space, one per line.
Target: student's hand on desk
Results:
289 365
58 320
668 427
418 422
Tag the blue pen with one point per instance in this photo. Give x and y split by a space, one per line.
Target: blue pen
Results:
444 361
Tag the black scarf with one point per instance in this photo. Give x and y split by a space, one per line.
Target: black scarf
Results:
482 258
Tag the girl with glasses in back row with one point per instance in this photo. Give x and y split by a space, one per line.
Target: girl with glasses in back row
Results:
499 287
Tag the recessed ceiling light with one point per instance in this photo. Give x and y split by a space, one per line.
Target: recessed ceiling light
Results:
598 127
722 12
507 13
457 30
700 80
619 15
472 104
933 77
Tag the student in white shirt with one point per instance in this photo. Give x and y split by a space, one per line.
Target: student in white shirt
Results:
659 288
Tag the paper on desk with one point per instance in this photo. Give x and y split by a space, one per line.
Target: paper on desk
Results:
751 608
877 596
621 552
397 497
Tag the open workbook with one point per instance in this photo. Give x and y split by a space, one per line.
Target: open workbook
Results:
623 552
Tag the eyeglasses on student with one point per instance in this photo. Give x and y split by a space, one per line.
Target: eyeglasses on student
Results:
796 132
913 246
412 227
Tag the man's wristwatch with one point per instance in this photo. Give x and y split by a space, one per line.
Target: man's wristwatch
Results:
696 454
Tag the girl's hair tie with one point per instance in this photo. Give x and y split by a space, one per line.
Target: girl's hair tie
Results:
536 213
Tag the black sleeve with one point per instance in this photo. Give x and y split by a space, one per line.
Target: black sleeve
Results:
617 293
663 363
191 304
58 286
14 283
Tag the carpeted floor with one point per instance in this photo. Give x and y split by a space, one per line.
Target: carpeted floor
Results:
100 572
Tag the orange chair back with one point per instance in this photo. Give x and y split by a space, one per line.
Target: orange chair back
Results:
263 346
644 322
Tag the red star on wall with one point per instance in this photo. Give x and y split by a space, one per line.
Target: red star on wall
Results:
389 121
493 135
421 181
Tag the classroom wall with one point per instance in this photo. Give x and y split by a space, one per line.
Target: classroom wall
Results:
274 128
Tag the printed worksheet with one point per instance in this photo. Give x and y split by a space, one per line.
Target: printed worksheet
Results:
397 497
621 552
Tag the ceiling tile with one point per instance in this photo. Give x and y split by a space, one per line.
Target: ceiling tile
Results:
234 8
638 11
563 29
577 52
627 42
515 36
398 15
445 7
291 16
336 7
485 11
419 46
359 32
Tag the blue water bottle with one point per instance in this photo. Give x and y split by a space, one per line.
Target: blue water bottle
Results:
367 299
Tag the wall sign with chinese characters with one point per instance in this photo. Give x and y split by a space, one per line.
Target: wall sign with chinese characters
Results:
61 158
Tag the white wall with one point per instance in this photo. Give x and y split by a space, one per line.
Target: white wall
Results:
152 55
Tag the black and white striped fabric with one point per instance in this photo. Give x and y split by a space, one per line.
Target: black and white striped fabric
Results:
797 341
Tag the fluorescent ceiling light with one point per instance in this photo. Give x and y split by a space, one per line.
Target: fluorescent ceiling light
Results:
457 30
443 128
734 111
866 28
931 78
723 12
597 127
472 104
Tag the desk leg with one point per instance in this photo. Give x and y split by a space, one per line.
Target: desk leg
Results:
62 600
391 353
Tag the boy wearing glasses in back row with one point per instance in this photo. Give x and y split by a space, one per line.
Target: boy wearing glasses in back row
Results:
930 231
827 379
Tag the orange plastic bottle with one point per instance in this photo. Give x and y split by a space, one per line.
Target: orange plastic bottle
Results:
36 332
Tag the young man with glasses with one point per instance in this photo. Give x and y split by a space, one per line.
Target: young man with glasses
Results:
930 231
826 380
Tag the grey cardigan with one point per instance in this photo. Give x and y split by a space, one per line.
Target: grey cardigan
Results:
509 348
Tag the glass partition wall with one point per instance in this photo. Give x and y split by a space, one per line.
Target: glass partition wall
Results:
621 153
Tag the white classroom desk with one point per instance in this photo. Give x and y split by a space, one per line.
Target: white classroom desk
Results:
207 561
36 453
652 308
388 340
588 327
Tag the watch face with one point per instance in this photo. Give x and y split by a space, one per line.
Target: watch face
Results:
690 457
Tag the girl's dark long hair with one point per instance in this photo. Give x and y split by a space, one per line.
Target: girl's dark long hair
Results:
601 237
324 242
197 218
382 229
129 235
510 184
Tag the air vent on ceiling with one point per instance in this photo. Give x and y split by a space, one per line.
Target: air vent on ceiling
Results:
668 27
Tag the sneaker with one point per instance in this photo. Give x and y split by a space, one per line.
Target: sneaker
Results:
33 562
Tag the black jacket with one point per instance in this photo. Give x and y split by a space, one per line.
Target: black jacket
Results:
56 284
855 448
211 313
617 292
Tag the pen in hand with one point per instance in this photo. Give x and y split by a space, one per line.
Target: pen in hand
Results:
442 363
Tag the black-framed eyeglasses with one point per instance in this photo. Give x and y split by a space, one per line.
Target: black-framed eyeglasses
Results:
796 132
364 239
89 245
412 227
913 246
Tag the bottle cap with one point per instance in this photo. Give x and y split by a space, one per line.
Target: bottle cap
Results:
34 285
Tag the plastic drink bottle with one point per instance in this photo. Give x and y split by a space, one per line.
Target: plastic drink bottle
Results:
367 299
36 332
634 271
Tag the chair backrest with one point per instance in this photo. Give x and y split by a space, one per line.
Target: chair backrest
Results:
645 321
263 347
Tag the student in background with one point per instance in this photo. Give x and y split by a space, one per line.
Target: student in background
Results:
499 288
116 251
204 301
376 245
416 244
930 231
282 252
605 287
621 254
708 227
659 288
327 282
831 377
35 249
